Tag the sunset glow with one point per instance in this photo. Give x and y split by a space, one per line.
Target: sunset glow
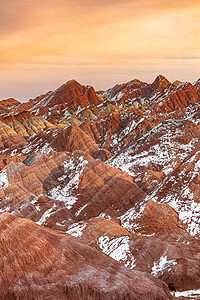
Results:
45 43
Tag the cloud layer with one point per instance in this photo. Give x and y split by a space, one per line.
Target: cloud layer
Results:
98 42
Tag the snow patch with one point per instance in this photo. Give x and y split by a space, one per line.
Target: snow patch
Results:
80 209
46 215
4 183
69 181
162 265
76 229
118 249
195 294
127 220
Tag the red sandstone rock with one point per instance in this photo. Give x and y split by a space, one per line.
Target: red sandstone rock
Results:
160 97
197 85
41 263
71 95
10 103
151 132
174 261
84 185
26 124
159 219
8 137
73 138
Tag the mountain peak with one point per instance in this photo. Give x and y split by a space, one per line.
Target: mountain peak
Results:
119 171
160 82
161 78
197 85
72 82
71 94
177 82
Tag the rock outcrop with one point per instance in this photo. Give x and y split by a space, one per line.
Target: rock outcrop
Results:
39 263
7 105
119 170
71 95
8 137
78 183
26 123
173 260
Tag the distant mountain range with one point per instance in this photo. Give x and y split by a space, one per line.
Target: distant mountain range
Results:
100 193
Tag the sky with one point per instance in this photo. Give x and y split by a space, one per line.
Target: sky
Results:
44 43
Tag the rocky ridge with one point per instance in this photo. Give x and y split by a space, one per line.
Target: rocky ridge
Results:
117 170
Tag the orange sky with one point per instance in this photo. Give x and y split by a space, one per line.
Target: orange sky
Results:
44 43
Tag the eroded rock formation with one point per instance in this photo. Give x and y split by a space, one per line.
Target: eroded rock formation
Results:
39 263
114 170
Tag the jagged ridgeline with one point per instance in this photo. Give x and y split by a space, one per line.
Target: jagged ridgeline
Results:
100 193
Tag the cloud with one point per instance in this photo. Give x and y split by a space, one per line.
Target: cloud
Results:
85 34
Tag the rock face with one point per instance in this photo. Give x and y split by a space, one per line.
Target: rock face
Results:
174 263
78 186
197 85
7 105
40 263
161 95
71 95
160 220
73 138
26 124
8 137
88 179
